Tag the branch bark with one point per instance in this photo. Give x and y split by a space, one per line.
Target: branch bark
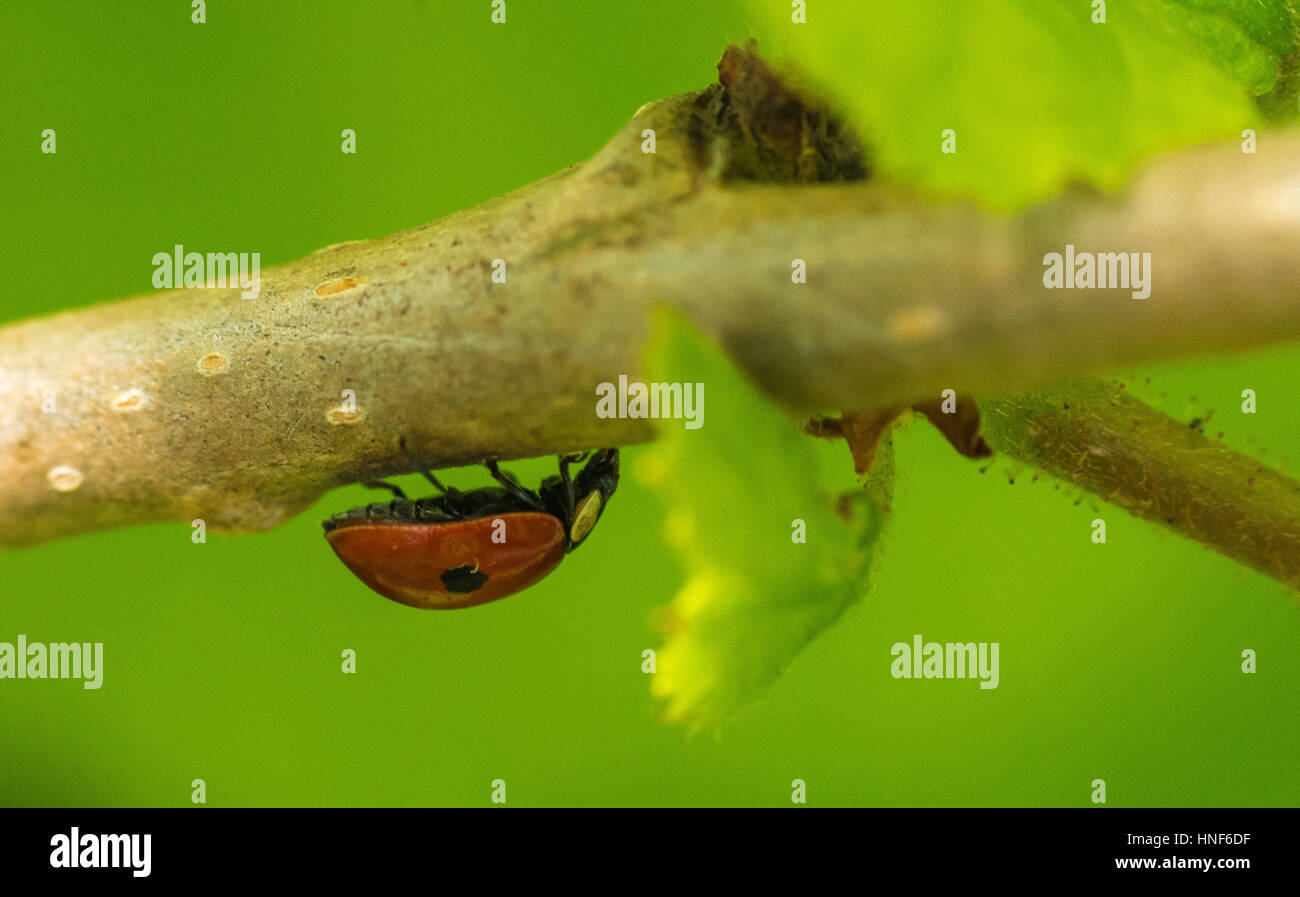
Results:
197 403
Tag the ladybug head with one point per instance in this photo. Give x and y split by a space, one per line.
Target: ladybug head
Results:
592 488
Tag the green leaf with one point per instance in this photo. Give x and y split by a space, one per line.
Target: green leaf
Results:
753 597
1037 93
1245 38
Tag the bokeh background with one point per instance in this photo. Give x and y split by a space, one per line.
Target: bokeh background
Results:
222 660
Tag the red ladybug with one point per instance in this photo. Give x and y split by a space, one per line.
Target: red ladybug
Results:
459 549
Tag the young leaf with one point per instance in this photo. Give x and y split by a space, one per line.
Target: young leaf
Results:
739 491
1008 101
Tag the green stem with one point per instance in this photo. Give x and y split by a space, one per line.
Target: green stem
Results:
1107 442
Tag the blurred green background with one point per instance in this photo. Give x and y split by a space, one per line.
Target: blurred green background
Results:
222 660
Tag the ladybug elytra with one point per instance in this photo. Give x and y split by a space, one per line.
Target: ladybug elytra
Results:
459 549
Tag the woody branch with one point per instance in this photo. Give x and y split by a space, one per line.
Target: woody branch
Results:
200 403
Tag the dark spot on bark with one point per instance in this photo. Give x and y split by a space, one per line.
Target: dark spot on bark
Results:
761 126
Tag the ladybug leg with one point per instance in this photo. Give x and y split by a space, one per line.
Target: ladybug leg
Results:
381 484
416 466
565 461
428 475
517 492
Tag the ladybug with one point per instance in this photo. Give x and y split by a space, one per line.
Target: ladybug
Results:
459 549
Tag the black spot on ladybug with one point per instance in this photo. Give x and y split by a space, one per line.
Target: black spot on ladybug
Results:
463 579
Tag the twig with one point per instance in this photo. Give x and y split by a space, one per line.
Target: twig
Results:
1107 442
